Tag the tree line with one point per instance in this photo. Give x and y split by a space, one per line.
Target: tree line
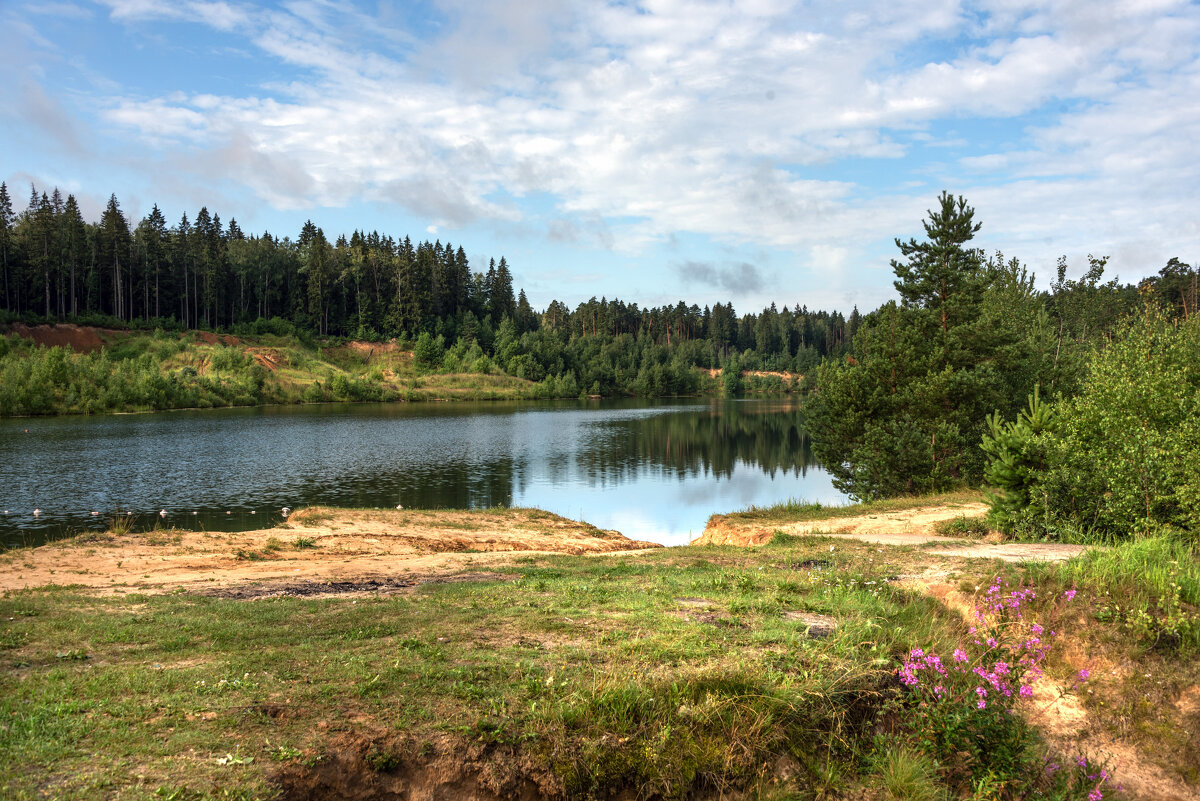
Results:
201 272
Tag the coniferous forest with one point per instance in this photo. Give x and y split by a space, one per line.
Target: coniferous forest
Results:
203 273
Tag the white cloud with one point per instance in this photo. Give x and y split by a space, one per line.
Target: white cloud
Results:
725 119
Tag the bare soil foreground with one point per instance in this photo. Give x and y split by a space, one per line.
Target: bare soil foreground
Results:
337 548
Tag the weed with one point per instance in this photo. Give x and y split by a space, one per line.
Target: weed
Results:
282 753
119 525
302 543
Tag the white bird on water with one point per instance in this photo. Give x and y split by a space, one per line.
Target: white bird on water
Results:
162 512
399 506
37 512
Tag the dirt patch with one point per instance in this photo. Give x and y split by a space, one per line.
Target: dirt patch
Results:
1015 551
784 374
815 626
81 339
321 589
209 338
362 768
1188 702
316 544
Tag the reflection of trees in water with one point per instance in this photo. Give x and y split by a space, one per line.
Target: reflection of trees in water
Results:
709 441
460 485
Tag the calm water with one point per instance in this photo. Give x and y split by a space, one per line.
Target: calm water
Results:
653 471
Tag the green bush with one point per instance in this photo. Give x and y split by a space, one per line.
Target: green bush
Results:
1117 459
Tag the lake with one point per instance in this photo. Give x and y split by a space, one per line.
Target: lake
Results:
652 470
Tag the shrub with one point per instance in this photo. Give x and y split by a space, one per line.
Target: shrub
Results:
1119 458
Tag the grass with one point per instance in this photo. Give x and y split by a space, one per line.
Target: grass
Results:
586 674
796 510
589 667
907 775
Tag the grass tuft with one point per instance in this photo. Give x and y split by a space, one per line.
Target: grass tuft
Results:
906 775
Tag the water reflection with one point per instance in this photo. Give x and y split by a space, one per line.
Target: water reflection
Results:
651 470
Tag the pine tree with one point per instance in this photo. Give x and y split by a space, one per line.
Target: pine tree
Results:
317 267
114 241
503 304
74 239
7 224
939 274
182 258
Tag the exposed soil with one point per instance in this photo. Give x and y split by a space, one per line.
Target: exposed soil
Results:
209 338
387 766
370 349
335 545
1064 723
270 358
714 372
79 338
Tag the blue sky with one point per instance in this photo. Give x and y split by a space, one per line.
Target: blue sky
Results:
755 151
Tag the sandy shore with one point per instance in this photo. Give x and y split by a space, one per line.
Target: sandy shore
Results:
317 544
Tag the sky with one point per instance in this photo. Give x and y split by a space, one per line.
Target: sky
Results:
755 152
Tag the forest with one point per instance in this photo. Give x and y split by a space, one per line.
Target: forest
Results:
201 273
